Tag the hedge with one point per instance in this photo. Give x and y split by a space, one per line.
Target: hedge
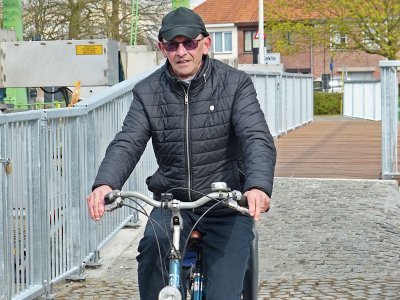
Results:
327 103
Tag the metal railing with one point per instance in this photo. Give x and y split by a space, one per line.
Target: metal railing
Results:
286 99
390 118
48 161
362 99
46 232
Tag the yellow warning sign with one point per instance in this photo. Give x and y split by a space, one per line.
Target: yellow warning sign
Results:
89 49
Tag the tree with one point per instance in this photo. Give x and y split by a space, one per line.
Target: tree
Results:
35 18
92 19
372 26
118 18
56 19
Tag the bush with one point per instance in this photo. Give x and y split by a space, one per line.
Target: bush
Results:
327 103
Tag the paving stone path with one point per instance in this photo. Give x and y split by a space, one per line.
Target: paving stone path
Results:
322 239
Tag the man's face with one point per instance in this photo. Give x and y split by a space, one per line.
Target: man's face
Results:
183 54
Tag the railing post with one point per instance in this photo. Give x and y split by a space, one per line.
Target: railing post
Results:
40 208
41 258
6 281
390 94
91 168
3 214
77 199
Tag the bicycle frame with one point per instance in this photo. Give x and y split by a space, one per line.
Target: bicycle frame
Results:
174 275
175 264
220 192
197 283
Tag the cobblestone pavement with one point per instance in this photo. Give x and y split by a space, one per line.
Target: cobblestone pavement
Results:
322 239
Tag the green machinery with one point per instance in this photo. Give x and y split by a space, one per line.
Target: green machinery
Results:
180 3
12 20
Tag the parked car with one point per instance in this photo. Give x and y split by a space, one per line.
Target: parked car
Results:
334 86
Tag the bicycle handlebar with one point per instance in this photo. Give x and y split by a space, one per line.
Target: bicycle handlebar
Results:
114 200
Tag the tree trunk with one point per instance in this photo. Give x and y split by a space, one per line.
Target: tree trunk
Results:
115 20
75 19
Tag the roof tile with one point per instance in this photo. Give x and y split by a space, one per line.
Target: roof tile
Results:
228 11
246 11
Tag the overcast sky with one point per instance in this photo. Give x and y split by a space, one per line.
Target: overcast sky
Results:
194 3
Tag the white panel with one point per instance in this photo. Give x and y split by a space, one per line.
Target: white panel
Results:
59 63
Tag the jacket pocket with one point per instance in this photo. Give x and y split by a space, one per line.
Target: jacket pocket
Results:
154 182
238 176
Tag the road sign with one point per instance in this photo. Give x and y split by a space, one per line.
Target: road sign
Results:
272 58
257 36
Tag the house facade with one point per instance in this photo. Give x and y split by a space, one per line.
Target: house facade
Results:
233 26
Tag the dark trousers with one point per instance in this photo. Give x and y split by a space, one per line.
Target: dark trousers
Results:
226 241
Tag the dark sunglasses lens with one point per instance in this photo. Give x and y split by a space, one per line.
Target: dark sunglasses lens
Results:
188 44
171 46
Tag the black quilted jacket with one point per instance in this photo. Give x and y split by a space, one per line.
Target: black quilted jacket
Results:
211 130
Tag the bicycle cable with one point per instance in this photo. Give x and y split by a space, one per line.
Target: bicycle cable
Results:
164 229
152 222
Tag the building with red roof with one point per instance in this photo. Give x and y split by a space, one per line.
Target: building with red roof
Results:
233 26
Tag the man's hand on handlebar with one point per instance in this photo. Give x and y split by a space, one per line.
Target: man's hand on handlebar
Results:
95 201
258 202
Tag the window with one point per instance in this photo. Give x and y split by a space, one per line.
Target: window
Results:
268 42
222 42
338 41
371 39
249 41
289 38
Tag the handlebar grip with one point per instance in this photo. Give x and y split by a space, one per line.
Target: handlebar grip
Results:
243 201
110 197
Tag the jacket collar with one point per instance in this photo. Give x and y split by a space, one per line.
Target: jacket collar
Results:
197 82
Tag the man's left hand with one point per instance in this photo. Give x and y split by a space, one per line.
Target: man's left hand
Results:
258 202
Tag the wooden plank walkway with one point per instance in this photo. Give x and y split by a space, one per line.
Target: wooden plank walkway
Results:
331 147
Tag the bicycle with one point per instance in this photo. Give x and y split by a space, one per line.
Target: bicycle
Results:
220 193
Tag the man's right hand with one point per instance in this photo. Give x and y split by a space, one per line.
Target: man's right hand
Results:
95 201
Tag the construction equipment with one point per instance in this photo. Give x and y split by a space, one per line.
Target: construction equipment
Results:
12 20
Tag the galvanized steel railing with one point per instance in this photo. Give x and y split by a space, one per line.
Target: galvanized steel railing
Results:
285 98
45 232
390 118
362 99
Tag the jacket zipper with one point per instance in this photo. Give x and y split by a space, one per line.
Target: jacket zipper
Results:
189 165
186 92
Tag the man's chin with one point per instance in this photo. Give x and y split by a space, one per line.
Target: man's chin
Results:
183 75
183 69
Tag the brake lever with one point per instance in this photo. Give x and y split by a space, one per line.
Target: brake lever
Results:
235 205
119 202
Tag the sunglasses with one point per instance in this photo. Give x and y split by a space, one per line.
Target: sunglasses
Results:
188 44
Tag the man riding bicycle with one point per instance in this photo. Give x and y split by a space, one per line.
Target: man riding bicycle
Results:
206 126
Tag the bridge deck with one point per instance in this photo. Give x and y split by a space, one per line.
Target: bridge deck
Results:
331 147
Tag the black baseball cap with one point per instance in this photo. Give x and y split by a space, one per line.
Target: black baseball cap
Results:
181 21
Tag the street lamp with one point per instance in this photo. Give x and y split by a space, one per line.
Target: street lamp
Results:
261 32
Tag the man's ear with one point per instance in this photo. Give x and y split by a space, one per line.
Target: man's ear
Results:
161 47
207 45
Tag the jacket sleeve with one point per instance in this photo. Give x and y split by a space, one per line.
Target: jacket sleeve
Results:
256 142
125 150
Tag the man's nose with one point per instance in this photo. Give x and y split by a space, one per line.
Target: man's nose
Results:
181 49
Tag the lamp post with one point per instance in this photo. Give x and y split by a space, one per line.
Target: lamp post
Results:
261 32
